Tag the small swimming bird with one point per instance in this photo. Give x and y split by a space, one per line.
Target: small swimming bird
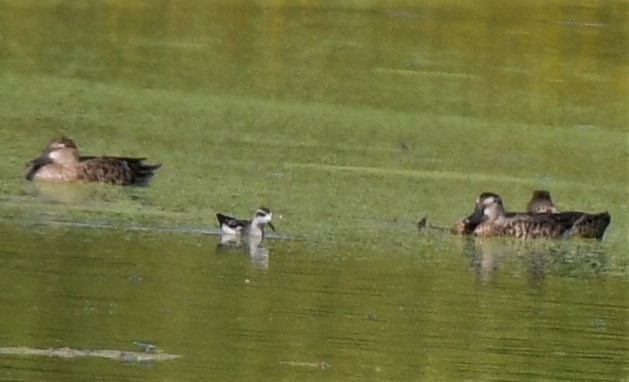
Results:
541 203
490 219
246 228
60 162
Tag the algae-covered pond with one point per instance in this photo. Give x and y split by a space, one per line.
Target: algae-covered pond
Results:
350 120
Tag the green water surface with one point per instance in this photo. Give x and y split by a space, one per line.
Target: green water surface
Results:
350 120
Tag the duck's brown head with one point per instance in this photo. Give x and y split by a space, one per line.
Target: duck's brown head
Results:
488 208
61 151
541 203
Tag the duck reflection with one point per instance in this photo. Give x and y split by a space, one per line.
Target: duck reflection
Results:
64 192
73 193
539 259
484 257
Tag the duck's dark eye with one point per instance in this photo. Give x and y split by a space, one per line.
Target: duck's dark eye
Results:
260 214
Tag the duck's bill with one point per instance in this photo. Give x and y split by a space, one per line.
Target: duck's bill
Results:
38 162
271 225
35 165
476 217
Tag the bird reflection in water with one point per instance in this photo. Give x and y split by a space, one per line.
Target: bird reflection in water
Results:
252 245
539 259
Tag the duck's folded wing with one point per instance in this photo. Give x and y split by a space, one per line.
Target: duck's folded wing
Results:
117 170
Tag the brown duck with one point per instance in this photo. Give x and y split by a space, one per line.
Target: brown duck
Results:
61 162
541 203
490 219
589 226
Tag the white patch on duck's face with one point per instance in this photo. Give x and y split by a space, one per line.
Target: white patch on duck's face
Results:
487 203
64 156
55 155
492 207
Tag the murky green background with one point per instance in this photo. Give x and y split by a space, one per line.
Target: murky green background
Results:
350 119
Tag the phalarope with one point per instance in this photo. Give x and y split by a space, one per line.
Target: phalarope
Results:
250 228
